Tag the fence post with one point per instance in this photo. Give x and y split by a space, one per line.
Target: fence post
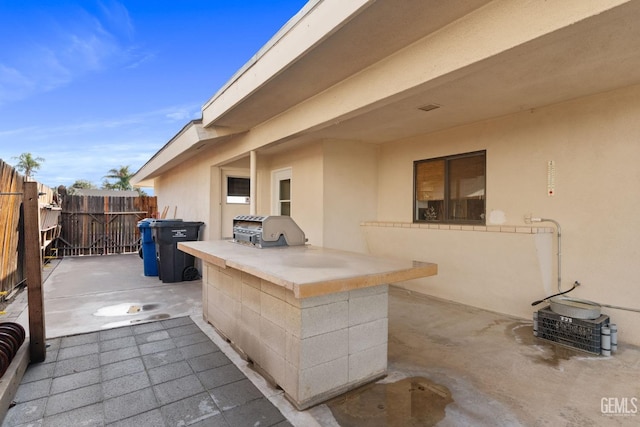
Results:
33 272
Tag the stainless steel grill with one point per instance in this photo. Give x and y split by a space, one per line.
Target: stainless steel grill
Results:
267 231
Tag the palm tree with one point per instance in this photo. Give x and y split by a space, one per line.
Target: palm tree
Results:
28 164
122 177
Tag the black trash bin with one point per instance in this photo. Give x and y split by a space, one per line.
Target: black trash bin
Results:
173 264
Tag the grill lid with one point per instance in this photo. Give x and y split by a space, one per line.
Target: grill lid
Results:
266 231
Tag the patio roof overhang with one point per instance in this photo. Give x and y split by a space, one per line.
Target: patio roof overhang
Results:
184 145
363 70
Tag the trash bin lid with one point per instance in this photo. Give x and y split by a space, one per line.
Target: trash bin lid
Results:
145 223
167 223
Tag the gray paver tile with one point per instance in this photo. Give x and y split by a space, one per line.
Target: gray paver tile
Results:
183 330
36 423
199 349
87 416
178 389
215 421
198 408
76 340
213 378
118 355
284 423
33 390
169 372
176 321
73 399
185 340
147 419
114 388
231 395
117 343
128 405
125 385
38 372
51 355
77 350
111 334
53 343
77 364
25 412
122 368
258 412
154 347
162 358
152 336
209 361
147 327
74 381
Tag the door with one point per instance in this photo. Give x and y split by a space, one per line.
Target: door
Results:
235 198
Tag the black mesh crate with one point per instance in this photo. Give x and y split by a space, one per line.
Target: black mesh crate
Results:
581 334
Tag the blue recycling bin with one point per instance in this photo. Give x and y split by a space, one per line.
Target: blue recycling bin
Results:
148 248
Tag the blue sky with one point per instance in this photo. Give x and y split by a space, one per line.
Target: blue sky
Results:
95 85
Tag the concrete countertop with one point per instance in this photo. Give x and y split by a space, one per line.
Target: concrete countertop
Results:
309 270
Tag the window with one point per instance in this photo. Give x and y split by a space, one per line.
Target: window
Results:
450 189
285 197
282 192
238 190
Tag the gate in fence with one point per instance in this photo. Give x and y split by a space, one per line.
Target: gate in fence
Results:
103 225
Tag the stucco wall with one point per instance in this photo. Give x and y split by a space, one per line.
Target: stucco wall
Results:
350 192
185 191
334 189
594 143
306 187
505 265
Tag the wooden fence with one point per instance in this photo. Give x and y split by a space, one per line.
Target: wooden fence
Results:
86 225
11 238
11 273
102 225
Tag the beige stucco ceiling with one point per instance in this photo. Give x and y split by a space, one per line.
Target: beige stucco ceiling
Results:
372 33
597 53
594 55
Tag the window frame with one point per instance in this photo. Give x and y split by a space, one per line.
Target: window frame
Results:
447 195
278 175
237 198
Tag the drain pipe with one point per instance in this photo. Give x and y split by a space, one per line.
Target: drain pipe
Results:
530 219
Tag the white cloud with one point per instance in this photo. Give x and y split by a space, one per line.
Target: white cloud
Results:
87 150
12 83
181 114
138 58
74 45
117 15
153 122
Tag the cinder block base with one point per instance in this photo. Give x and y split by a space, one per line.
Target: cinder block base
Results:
314 348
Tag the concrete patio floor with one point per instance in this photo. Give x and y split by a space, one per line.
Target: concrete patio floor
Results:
120 345
449 364
455 365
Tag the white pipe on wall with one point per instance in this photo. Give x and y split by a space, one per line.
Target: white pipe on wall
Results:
559 234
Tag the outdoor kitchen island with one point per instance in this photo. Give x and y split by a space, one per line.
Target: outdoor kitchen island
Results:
313 320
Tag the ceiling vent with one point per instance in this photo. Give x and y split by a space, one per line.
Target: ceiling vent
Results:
429 107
